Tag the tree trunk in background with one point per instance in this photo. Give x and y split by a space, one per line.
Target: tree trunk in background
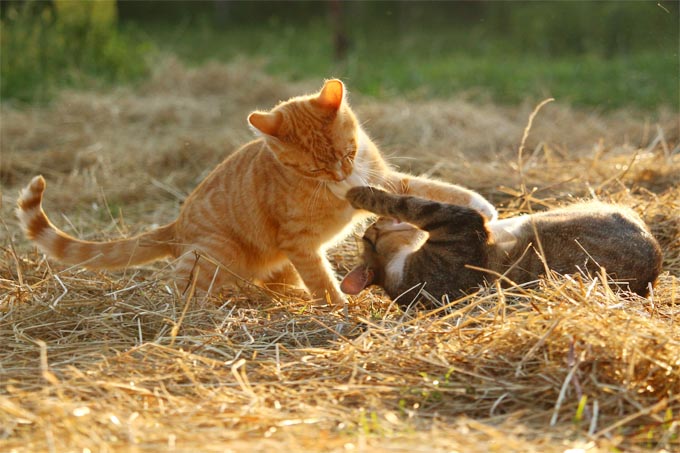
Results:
340 38
222 8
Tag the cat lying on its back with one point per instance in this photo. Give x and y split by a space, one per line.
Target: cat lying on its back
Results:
439 242
268 211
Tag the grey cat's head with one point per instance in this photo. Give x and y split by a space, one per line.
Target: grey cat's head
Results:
384 243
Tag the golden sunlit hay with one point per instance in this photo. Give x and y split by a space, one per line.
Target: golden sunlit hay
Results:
120 360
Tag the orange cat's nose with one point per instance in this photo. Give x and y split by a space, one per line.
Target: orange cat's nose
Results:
339 175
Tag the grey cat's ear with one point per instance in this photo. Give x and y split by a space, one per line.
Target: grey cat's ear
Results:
266 123
357 279
331 95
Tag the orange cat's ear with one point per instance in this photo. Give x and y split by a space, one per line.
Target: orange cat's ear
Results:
267 123
331 94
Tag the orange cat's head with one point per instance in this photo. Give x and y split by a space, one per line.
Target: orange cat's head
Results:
315 135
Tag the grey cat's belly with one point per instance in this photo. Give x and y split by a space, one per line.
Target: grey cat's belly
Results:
586 242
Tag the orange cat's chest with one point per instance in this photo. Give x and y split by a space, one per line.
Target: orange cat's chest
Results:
254 201
313 213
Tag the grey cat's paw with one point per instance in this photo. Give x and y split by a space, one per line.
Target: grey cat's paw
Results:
340 189
354 193
358 196
480 204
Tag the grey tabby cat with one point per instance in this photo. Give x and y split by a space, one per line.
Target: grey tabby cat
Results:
443 246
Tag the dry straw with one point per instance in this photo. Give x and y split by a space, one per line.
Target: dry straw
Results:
122 362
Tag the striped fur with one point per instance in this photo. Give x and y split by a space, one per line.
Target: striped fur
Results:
268 211
579 238
136 250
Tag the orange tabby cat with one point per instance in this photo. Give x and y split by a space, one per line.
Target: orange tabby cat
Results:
268 211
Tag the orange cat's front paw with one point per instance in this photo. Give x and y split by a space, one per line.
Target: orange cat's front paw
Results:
336 300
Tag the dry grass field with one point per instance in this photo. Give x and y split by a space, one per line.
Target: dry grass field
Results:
119 361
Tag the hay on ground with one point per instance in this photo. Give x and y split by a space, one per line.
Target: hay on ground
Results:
122 361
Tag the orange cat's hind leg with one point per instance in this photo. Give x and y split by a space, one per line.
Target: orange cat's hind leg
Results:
285 281
209 276
285 276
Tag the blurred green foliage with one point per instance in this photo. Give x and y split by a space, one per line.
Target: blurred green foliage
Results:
608 54
47 45
602 54
603 28
549 27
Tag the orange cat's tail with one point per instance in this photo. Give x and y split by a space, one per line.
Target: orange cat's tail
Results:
139 249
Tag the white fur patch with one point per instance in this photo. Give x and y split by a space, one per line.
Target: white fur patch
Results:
25 217
359 175
46 238
395 269
504 232
479 203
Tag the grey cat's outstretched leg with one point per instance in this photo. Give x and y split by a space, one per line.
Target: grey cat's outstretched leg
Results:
430 216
